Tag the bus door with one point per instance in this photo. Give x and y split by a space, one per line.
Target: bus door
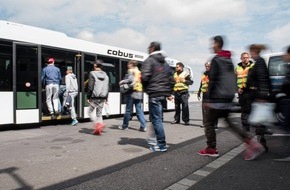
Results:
26 83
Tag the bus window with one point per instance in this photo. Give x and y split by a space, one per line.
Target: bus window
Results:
112 71
5 66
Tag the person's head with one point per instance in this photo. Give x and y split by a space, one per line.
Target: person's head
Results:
218 43
131 64
287 55
179 67
245 57
69 69
154 46
255 50
50 61
207 66
98 65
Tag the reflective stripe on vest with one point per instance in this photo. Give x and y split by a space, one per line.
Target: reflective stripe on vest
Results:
179 86
242 75
204 83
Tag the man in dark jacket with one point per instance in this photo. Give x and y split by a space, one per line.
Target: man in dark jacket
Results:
155 75
221 91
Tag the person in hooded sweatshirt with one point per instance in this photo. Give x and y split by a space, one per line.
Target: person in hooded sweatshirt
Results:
71 92
158 82
98 90
221 91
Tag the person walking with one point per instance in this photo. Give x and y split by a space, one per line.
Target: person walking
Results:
203 89
71 86
284 101
51 79
241 71
98 90
221 91
181 95
134 97
158 82
258 87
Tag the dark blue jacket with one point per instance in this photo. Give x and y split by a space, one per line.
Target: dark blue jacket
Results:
50 75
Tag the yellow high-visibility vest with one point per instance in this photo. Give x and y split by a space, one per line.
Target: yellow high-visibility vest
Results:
179 86
204 83
137 77
242 75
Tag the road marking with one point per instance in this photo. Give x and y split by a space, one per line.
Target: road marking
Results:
198 175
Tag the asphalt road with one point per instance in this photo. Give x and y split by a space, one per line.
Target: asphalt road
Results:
65 157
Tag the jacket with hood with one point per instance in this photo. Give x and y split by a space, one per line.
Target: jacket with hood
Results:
157 76
71 83
222 79
98 86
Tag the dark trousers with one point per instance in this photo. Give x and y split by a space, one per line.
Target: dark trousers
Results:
181 99
210 117
245 100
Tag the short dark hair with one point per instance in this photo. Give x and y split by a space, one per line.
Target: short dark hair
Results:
180 64
99 63
155 45
288 50
219 40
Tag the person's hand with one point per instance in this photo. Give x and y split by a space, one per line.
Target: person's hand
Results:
198 96
121 82
240 91
89 101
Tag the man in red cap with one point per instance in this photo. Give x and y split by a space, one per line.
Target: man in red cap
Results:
51 79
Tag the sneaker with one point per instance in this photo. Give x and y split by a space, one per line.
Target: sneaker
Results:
213 152
98 128
156 148
142 129
52 116
74 122
175 122
253 150
151 141
186 123
121 128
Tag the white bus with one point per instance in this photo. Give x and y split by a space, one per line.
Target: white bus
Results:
23 52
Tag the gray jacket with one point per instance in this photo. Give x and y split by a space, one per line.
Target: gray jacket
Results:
98 87
71 83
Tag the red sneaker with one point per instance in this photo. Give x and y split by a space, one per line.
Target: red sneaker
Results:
99 128
213 152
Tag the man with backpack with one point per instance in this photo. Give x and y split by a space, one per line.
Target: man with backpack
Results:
98 90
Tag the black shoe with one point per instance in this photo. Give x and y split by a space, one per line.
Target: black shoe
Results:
186 123
174 122
268 132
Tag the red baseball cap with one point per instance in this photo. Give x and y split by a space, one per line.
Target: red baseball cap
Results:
50 60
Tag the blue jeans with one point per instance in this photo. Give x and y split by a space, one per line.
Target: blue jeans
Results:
155 112
129 109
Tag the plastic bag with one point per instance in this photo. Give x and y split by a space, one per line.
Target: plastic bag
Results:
107 109
262 113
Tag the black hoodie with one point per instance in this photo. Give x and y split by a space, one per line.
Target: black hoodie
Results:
222 79
157 77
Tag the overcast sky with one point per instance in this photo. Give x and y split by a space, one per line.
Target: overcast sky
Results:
184 27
